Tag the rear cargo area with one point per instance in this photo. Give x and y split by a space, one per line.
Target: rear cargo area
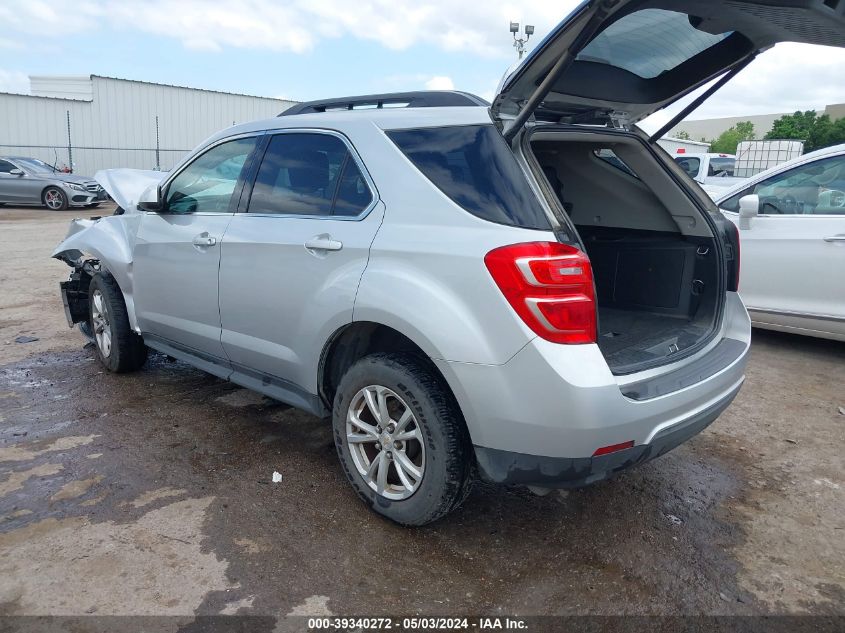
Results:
654 259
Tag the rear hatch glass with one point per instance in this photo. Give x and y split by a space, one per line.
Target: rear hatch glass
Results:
635 57
650 42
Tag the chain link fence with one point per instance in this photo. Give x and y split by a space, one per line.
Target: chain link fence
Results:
88 159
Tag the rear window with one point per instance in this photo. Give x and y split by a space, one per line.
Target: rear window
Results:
474 166
690 165
650 42
721 167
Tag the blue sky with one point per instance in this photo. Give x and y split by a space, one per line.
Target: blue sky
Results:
300 49
308 49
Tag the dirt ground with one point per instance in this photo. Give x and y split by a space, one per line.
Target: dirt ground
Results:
151 493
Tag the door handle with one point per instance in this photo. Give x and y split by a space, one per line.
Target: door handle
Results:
835 238
323 243
204 239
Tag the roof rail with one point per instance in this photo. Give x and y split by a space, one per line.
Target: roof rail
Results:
420 99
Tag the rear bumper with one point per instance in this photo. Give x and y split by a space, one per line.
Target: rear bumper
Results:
539 417
504 467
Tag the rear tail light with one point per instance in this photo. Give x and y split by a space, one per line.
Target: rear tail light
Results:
550 286
734 256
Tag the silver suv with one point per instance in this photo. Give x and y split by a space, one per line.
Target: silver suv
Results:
530 292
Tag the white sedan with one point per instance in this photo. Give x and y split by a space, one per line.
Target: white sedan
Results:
791 221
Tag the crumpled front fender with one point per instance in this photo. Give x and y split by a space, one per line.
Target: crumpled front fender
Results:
109 240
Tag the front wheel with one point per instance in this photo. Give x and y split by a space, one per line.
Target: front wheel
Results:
401 439
119 348
54 199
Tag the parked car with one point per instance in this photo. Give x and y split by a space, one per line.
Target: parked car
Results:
792 226
28 181
459 287
714 170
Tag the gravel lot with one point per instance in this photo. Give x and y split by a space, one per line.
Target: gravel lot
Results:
151 493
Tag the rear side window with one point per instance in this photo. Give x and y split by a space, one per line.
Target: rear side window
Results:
309 174
474 166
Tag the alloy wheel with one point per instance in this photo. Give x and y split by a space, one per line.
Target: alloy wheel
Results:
53 199
386 442
101 324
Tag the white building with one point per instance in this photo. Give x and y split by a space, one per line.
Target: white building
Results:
710 129
92 122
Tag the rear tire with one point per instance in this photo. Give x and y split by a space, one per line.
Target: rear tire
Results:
120 350
54 199
422 442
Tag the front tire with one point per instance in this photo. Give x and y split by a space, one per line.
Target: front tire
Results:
401 439
54 199
120 350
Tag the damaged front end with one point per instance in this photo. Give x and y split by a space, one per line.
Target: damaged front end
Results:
104 245
91 247
75 293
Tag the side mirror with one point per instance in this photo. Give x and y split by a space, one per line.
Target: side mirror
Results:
16 172
749 207
150 199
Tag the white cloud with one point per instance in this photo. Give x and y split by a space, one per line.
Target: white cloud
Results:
787 78
440 83
296 25
14 81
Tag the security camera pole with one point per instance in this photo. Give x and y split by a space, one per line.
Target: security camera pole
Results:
519 44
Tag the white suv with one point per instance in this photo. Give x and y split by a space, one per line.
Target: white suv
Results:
532 292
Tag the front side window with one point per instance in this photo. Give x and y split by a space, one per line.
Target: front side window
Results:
689 165
816 188
309 174
208 183
474 166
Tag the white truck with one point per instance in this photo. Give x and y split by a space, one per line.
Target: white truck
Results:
714 170
681 145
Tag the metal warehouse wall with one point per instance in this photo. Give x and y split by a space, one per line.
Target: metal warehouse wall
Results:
117 127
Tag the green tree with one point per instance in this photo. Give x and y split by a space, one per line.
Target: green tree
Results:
729 139
793 126
684 136
816 131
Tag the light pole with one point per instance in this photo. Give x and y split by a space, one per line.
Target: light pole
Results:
519 43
